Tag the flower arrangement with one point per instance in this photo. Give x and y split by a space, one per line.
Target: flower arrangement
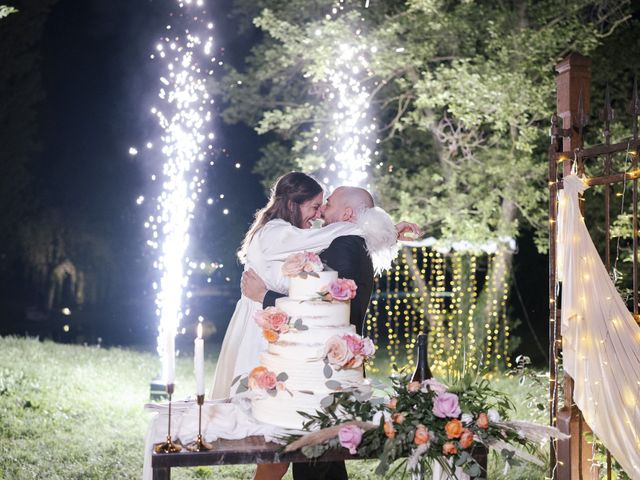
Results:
275 321
261 378
302 264
421 422
340 289
346 351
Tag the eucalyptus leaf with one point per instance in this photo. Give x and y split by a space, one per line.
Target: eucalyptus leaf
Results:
333 385
272 392
282 377
327 371
235 380
326 402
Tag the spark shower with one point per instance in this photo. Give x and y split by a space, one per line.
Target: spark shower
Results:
183 113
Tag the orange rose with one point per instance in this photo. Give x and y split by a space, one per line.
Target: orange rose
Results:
389 430
482 421
254 375
466 439
392 403
397 417
453 428
270 335
422 435
449 448
413 387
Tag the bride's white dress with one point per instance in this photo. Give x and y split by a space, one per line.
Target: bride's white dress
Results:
243 342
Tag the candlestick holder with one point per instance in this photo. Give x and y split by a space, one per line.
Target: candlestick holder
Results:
169 446
199 445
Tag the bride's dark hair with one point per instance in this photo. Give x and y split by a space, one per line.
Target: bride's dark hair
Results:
289 192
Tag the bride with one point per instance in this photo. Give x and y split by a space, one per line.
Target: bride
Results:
281 228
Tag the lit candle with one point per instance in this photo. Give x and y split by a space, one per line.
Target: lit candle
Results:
198 361
169 357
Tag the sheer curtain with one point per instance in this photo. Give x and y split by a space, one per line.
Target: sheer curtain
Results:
600 338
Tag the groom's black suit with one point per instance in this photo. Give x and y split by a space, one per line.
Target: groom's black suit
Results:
348 256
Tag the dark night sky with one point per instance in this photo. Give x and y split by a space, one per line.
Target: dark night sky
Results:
99 84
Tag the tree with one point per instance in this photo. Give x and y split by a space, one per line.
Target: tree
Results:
461 94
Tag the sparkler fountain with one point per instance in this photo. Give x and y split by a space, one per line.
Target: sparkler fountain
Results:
184 117
351 123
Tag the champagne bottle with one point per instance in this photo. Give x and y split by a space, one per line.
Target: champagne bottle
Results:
423 372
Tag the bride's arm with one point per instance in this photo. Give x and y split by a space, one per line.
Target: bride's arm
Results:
280 239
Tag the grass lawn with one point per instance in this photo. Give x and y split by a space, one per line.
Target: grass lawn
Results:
74 412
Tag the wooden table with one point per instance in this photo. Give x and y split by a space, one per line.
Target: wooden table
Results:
250 450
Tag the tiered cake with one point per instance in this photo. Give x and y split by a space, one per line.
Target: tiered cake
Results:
312 348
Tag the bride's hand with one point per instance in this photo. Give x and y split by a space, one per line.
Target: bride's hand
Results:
405 228
252 286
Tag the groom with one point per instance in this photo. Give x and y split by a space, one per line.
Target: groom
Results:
349 256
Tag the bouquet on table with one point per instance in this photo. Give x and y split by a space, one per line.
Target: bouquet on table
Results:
423 422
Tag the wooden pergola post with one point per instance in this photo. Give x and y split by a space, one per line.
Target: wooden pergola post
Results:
573 85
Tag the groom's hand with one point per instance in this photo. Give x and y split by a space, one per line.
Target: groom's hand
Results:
252 286
404 228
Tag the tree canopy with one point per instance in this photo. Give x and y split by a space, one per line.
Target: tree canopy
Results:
461 93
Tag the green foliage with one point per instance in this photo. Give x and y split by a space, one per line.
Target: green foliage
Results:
462 92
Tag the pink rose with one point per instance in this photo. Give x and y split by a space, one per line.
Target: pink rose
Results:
435 386
446 405
337 351
350 437
368 348
343 289
413 387
267 380
354 343
301 262
312 263
276 319
293 265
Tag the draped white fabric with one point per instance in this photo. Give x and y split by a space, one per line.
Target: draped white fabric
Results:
600 338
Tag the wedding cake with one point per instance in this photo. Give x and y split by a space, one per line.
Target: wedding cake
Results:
313 349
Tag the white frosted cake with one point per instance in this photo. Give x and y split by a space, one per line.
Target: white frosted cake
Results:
311 343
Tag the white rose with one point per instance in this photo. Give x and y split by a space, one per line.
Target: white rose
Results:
466 418
493 415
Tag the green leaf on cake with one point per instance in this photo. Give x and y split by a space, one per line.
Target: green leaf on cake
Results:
243 386
272 391
235 380
282 377
333 385
326 402
314 274
298 325
327 370
306 392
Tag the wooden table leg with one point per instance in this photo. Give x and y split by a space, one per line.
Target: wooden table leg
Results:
162 473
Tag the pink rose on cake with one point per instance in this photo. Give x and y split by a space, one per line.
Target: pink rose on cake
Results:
302 263
273 321
348 351
337 351
261 378
340 289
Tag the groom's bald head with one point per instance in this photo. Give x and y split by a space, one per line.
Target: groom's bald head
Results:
345 204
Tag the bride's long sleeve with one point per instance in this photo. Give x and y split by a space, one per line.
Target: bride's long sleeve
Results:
279 239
